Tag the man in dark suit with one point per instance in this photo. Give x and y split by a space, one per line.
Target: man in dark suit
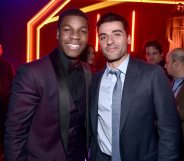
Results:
148 125
46 118
6 78
175 68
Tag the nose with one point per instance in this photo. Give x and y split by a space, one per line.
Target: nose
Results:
110 40
75 35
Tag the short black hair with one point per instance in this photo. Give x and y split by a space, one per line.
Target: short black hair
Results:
70 12
155 44
110 17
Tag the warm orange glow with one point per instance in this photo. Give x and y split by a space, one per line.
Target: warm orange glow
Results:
151 1
30 32
45 22
96 42
90 8
51 7
133 30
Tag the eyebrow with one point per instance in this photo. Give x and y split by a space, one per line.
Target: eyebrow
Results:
157 52
72 27
112 32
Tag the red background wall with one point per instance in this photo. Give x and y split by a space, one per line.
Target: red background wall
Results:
151 22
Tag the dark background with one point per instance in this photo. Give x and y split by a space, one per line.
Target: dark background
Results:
151 23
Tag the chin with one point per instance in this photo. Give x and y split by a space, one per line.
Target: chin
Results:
73 56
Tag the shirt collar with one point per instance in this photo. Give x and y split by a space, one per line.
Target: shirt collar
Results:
122 67
178 80
66 61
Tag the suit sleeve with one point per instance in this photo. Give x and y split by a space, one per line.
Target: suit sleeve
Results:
23 102
167 118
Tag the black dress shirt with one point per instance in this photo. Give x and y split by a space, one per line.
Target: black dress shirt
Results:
75 78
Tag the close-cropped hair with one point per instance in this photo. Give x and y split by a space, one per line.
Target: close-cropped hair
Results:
110 17
177 54
71 12
156 44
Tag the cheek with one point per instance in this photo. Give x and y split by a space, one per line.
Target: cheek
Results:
157 57
102 45
147 57
62 38
170 68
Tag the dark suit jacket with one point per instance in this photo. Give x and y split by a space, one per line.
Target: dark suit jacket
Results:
37 122
6 78
180 104
146 97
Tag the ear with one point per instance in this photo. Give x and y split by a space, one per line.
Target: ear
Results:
57 35
129 39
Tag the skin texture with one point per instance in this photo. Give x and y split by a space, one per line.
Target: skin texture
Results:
73 36
153 56
113 42
170 65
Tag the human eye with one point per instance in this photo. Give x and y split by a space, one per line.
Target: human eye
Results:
66 29
103 38
155 53
84 30
117 34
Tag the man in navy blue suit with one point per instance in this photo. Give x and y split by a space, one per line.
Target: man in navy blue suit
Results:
149 125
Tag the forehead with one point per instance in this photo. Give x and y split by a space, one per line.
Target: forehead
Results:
151 49
168 56
111 26
75 21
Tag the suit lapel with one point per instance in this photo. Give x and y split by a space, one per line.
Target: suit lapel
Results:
64 96
180 94
129 89
94 101
87 76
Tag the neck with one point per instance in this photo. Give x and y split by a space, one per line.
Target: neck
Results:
115 64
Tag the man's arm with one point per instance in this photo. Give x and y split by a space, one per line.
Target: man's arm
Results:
24 99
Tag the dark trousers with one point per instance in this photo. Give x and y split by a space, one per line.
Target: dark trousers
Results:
102 156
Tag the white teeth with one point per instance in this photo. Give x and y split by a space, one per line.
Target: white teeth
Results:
73 46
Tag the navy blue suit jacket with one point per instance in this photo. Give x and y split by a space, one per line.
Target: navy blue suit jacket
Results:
149 126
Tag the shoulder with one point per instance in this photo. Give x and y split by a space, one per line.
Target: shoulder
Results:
144 66
5 62
146 71
85 65
98 75
40 64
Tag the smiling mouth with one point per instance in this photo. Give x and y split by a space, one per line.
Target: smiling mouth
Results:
73 46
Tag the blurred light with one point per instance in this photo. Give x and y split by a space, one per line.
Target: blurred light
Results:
53 3
96 42
151 1
30 25
100 5
46 22
133 30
